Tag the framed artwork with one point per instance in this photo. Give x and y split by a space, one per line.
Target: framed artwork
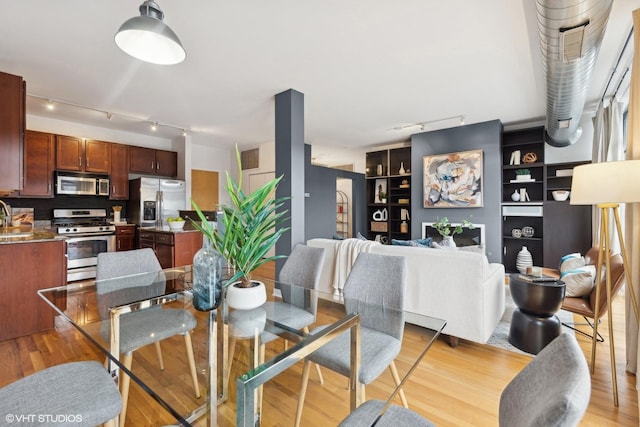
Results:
381 191
453 180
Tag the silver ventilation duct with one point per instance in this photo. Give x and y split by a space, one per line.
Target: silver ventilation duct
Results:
571 33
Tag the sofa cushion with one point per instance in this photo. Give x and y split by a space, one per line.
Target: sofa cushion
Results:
579 281
421 243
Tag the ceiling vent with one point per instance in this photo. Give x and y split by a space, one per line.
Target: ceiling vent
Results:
571 33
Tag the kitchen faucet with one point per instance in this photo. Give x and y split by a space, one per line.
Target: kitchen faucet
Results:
7 214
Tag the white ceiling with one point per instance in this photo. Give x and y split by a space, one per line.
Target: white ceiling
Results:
364 66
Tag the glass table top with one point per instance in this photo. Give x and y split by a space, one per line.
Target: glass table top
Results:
229 350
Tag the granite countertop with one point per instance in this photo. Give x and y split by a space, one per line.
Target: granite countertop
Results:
168 230
27 235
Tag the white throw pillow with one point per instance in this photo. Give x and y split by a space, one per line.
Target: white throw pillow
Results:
571 262
580 281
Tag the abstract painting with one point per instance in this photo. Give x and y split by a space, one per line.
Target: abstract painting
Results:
453 180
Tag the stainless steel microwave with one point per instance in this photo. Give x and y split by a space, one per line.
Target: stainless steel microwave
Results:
82 185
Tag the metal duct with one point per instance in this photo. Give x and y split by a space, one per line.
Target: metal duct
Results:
571 33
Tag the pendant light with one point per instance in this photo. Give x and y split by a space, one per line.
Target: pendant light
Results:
149 39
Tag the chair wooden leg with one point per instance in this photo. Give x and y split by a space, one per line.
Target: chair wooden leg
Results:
320 378
192 363
110 423
396 380
303 391
232 350
159 353
261 357
125 382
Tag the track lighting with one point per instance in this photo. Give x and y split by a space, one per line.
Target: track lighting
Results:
50 105
424 125
154 126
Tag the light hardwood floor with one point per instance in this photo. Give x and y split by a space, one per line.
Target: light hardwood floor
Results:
452 386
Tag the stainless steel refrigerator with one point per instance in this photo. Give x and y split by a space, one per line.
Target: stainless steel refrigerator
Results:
153 200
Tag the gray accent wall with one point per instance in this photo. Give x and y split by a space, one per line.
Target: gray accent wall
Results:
320 203
486 136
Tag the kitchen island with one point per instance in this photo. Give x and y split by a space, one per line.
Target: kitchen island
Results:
173 248
29 263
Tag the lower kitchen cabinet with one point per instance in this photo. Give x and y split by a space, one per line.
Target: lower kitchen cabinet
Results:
26 268
173 249
125 237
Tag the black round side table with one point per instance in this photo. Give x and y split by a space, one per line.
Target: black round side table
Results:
534 324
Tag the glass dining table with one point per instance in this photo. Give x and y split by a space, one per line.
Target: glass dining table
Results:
247 361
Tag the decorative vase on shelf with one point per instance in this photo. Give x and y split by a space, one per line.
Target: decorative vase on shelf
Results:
207 277
523 260
402 171
448 242
515 196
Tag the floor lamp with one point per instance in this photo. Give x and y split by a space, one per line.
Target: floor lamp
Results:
606 185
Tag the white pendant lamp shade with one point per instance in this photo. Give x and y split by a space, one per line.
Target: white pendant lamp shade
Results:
149 39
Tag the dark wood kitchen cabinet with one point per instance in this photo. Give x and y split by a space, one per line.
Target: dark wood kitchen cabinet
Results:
80 155
12 127
27 268
151 161
173 249
39 155
119 174
125 237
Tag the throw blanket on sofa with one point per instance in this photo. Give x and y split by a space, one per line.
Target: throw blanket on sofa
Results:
346 252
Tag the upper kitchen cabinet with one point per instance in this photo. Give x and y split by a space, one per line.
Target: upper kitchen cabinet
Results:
12 127
39 155
80 155
119 174
151 161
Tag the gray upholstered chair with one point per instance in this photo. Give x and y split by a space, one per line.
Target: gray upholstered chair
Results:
553 390
82 390
136 275
375 285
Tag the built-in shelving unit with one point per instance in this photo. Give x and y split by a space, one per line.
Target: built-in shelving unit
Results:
553 228
388 172
343 228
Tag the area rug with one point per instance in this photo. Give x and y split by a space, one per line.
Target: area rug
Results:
500 337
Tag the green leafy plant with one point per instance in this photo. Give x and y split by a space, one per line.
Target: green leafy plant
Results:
383 195
445 228
523 172
251 226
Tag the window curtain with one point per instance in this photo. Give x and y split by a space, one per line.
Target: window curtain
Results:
608 146
632 220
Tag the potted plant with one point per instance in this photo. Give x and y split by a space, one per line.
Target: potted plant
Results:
448 230
523 174
383 197
251 228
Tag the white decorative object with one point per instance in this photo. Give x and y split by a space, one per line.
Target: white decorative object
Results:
402 171
246 298
380 215
560 195
448 242
515 196
515 158
176 225
524 260
523 178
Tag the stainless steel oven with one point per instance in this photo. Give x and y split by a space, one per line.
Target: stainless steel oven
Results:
82 254
88 234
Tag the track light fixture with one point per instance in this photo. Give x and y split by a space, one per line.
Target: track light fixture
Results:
50 105
424 125
149 39
154 126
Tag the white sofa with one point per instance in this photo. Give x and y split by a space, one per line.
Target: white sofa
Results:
458 286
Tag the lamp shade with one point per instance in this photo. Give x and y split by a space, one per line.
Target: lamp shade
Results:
149 39
607 182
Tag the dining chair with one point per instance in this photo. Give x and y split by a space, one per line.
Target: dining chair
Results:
553 390
375 289
136 275
298 279
82 392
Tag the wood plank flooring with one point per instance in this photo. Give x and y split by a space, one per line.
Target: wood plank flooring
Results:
452 386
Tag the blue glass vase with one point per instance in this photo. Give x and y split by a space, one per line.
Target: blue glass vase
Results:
207 277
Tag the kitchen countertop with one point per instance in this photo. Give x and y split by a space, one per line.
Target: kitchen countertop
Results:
168 230
27 235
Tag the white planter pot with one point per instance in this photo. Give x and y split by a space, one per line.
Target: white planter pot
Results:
523 177
246 298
